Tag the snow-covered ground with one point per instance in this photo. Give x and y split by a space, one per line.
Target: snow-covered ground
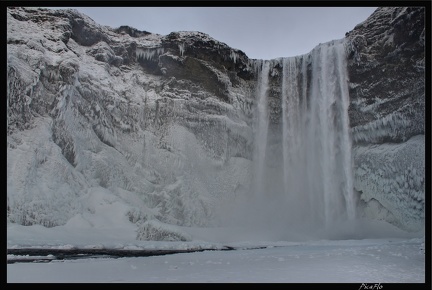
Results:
398 258
362 261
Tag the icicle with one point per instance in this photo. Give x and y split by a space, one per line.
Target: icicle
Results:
149 53
182 48
233 56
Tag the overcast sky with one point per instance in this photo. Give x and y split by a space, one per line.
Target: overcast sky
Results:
260 32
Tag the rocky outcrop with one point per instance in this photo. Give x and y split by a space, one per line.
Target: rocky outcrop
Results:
165 124
386 66
387 81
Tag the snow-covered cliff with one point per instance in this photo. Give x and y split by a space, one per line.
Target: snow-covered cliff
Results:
166 125
387 113
99 115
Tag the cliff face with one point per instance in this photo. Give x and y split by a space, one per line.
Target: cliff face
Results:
387 81
386 65
158 122
165 124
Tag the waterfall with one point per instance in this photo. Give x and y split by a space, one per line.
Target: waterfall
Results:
292 130
262 123
317 165
302 183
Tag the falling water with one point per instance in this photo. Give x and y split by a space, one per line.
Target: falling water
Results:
317 164
293 169
305 189
261 130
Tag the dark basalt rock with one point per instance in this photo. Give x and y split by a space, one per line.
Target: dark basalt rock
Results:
85 34
201 46
195 70
131 31
386 67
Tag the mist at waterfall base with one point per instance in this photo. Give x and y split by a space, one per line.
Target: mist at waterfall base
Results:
302 183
